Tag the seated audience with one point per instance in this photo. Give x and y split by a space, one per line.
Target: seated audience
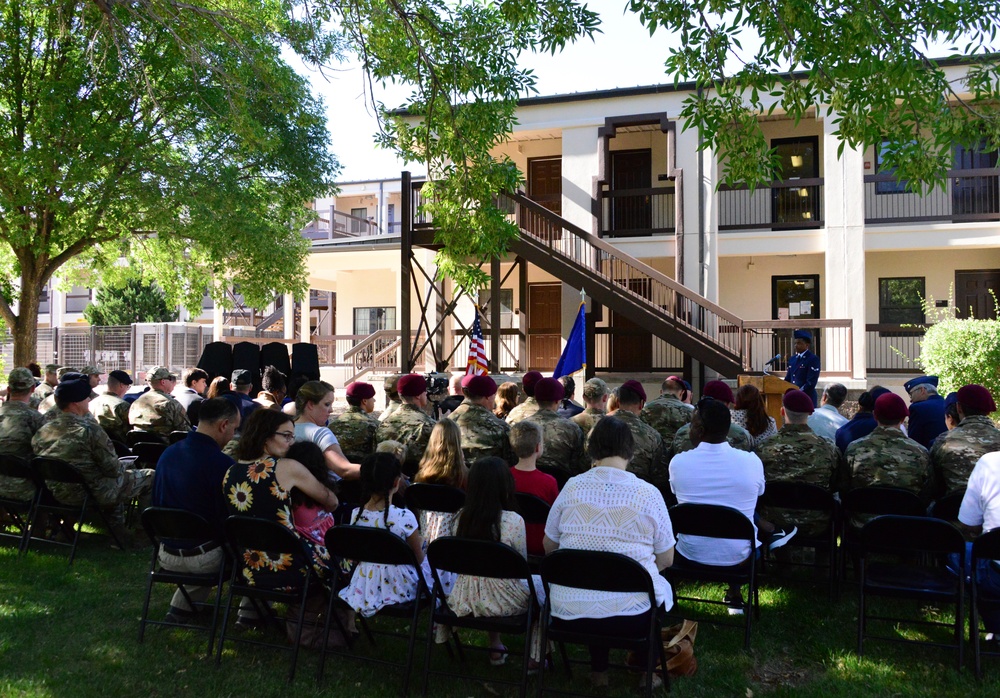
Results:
443 464
409 423
274 389
192 394
826 420
355 429
530 405
595 397
568 408
314 404
110 410
242 384
649 456
508 397
980 513
157 411
863 422
218 387
956 452
751 414
483 433
312 520
526 440
926 419
18 424
738 437
669 412
563 439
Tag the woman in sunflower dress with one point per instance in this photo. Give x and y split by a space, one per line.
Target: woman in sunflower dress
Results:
374 586
259 485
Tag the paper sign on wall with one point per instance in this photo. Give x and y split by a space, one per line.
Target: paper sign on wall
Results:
805 307
793 309
782 313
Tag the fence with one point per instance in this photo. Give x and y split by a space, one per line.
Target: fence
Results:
893 348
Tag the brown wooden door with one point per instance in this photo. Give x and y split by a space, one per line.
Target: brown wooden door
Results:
545 183
544 326
631 343
976 292
631 169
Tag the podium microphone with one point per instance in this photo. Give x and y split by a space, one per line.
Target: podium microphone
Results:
772 362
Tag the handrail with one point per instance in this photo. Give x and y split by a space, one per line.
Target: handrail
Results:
369 340
796 324
978 172
616 254
776 184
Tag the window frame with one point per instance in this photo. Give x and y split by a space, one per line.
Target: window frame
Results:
883 308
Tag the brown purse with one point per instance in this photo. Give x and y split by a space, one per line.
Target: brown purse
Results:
678 649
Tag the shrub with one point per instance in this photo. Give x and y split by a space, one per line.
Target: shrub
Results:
961 352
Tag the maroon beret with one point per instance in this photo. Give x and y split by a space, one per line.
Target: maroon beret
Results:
480 386
719 390
528 382
361 390
890 408
977 398
411 385
466 379
549 390
797 401
636 387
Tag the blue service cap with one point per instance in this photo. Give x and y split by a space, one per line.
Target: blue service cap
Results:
909 385
803 334
952 399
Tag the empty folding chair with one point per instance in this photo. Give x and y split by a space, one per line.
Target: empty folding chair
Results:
985 555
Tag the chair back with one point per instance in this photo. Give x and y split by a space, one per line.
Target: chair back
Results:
182 528
121 450
596 571
797 495
148 453
55 470
711 521
561 476
479 558
366 544
15 466
424 497
986 546
136 435
176 436
947 506
534 510
879 499
252 533
890 533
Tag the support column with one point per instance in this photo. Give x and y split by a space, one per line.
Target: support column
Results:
405 271
218 320
522 313
581 158
495 338
288 320
305 326
844 261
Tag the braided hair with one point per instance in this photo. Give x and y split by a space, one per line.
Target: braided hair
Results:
379 472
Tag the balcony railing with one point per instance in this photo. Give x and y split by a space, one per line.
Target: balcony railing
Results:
612 345
832 341
782 205
638 212
893 348
335 225
968 195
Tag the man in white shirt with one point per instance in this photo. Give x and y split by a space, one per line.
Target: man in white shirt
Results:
980 513
716 473
827 419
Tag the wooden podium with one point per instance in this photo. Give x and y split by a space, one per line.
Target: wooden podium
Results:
772 388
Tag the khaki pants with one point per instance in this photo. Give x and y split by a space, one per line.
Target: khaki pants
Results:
205 563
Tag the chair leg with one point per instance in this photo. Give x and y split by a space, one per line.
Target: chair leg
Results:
145 607
326 638
298 634
527 656
974 630
411 645
215 608
429 648
565 658
960 622
543 625
861 611
225 620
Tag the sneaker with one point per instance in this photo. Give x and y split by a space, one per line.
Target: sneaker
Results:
735 603
178 616
247 623
779 538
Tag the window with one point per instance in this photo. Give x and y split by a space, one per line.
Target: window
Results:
43 300
896 186
369 320
506 307
77 299
356 225
900 301
207 302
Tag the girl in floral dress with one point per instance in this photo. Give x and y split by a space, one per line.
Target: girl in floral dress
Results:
372 585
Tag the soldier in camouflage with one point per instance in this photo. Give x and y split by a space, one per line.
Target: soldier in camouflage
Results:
157 411
668 413
887 457
18 423
649 458
393 396
529 407
797 454
46 387
483 433
76 438
562 439
110 411
48 403
355 429
409 424
738 437
955 453
595 397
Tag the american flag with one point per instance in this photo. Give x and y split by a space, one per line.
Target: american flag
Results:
477 365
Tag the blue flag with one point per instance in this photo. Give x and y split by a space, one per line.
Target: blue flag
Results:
574 356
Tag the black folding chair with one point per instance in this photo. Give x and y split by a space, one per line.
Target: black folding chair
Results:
608 573
245 534
724 523
876 500
19 510
985 551
378 546
478 558
923 545
148 453
175 436
561 476
121 450
423 497
799 496
138 435
179 531
534 510
947 507
55 470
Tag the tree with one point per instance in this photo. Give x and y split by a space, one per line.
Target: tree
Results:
129 302
171 134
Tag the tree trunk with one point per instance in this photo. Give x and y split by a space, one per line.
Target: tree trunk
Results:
25 328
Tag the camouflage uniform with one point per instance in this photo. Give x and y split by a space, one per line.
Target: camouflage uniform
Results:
649 459
483 433
587 419
40 393
18 423
954 453
462 408
798 454
667 415
393 406
738 437
111 412
355 431
526 410
887 457
79 441
158 412
47 403
563 443
412 427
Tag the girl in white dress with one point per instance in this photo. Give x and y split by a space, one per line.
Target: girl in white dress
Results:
374 586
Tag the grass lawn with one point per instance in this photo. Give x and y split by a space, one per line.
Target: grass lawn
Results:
72 632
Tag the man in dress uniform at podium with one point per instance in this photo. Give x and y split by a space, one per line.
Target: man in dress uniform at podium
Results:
803 368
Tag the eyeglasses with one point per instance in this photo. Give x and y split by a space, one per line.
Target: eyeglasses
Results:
286 435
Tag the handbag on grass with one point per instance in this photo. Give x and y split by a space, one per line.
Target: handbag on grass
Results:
678 649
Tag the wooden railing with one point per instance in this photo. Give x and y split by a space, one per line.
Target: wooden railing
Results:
893 348
336 225
833 341
968 195
637 212
780 205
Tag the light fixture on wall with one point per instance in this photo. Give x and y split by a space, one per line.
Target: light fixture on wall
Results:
803 192
796 161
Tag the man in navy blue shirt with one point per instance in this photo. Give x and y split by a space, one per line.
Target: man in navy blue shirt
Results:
240 395
803 368
926 410
189 476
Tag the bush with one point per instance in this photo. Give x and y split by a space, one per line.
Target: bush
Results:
961 352
130 301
